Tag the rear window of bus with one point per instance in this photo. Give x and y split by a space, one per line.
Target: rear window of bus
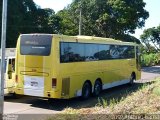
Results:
39 45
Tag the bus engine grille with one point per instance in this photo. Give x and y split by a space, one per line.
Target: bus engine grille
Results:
65 86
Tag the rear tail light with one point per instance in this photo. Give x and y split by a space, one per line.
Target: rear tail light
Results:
16 78
54 82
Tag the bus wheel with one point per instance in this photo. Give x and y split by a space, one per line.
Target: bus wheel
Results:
97 88
132 79
86 90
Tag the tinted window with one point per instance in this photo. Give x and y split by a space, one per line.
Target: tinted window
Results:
121 51
129 52
76 52
91 52
35 45
72 52
104 52
115 51
64 51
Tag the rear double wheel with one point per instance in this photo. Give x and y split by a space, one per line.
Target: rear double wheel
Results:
86 90
97 88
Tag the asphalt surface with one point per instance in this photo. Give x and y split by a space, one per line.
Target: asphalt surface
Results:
33 105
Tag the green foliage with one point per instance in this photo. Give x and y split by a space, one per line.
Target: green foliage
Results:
150 59
147 50
150 37
102 102
156 91
113 102
111 18
24 16
103 18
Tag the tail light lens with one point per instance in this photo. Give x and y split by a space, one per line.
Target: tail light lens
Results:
16 78
54 82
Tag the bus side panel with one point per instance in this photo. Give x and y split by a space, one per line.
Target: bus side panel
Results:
77 82
78 73
114 71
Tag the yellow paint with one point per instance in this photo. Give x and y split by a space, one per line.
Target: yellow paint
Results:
78 72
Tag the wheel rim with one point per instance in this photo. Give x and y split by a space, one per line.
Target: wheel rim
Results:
86 94
97 88
86 91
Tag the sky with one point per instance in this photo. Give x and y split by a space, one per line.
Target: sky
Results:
152 6
56 5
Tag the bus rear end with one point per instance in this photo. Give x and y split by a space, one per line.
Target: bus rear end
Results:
34 63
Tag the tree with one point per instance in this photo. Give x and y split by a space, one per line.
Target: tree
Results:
68 22
24 16
151 37
104 18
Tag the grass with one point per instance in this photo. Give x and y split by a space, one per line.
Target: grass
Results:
144 101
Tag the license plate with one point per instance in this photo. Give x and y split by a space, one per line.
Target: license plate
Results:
33 82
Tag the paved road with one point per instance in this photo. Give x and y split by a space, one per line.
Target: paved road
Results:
31 105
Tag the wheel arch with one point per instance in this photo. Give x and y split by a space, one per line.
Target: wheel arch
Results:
134 74
88 82
99 79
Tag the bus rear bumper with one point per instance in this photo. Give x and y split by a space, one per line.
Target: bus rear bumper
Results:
55 94
46 94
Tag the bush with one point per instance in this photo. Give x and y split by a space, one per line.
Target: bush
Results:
150 59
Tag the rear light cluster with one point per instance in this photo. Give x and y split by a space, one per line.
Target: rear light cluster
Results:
16 79
54 82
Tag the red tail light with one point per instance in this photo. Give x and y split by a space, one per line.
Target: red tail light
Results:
16 78
54 82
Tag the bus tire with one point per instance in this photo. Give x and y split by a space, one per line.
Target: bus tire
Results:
97 88
86 90
132 78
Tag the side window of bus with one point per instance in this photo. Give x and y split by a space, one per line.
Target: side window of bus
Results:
104 52
121 52
64 51
91 52
76 52
72 52
127 52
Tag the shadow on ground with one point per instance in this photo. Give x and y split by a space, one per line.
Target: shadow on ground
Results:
76 103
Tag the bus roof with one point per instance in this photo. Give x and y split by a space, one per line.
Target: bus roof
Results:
87 38
96 39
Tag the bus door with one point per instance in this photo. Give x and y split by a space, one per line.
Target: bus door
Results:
10 73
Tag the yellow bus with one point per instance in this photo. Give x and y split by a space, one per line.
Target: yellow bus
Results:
59 66
9 77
